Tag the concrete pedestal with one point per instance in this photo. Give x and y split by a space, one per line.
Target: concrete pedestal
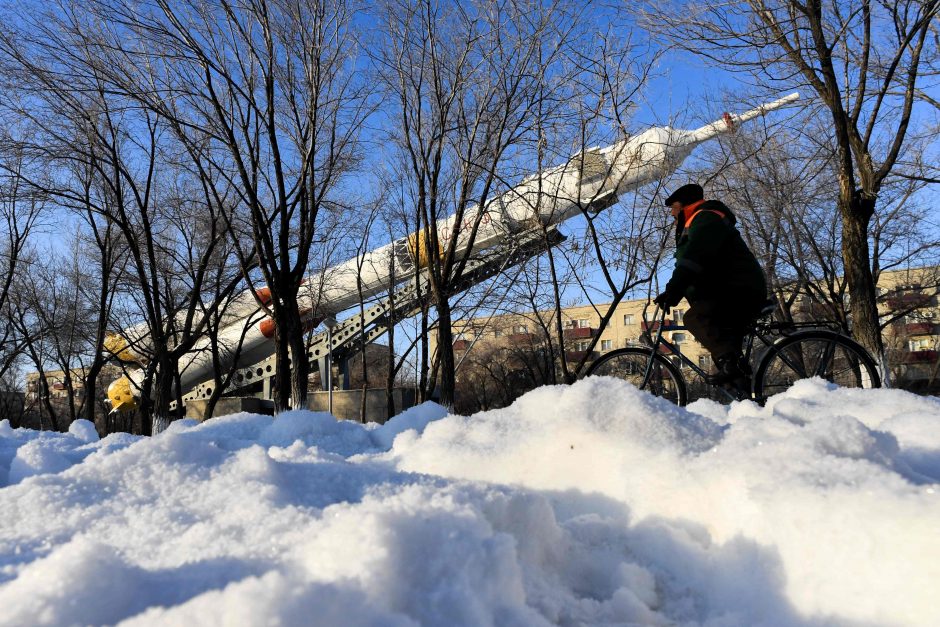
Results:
230 405
347 403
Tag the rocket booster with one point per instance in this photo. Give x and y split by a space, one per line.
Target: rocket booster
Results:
592 179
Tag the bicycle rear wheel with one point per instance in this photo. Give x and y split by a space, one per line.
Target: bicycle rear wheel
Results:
817 353
630 364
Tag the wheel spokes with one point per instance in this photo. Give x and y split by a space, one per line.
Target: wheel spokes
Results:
825 359
830 357
636 369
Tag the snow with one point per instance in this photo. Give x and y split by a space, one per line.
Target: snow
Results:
589 504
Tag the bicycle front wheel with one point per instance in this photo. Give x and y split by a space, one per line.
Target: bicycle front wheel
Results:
818 353
630 364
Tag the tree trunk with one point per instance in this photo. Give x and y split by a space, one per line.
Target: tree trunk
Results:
445 353
162 395
300 368
280 391
856 215
69 392
290 380
47 401
423 363
390 396
145 407
365 379
390 372
87 409
559 329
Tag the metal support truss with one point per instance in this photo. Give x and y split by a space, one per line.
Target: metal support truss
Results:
352 334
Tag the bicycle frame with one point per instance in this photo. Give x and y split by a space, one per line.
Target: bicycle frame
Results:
675 350
764 332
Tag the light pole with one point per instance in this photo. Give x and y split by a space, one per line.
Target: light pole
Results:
329 322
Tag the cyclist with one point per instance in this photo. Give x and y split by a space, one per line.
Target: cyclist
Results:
720 278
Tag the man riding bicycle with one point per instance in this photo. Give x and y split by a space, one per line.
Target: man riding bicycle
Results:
720 278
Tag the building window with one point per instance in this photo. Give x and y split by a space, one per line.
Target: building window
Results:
920 344
582 345
628 319
520 328
580 323
704 362
678 337
677 315
606 345
497 332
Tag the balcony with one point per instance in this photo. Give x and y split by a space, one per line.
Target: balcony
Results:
461 345
653 325
919 328
522 339
909 301
920 357
577 356
580 333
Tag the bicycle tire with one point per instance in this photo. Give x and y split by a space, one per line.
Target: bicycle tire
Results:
827 354
629 364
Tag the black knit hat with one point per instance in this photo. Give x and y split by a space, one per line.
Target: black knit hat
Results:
687 194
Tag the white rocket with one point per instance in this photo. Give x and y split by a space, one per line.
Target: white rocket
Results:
592 179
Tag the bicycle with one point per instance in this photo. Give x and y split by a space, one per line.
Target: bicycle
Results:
793 351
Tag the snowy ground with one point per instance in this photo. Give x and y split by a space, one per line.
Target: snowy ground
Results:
592 504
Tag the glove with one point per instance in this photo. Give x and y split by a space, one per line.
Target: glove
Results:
667 300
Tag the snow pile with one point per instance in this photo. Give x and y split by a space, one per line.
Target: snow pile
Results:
588 504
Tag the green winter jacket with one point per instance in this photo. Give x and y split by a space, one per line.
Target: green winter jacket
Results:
712 260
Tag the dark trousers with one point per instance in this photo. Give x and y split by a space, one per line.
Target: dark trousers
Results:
720 325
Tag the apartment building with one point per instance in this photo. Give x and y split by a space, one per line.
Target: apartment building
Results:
908 304
580 326
910 310
55 380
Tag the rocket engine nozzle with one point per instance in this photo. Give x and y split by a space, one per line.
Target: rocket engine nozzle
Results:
121 395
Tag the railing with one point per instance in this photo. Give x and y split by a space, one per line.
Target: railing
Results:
580 333
576 356
653 325
920 357
919 328
522 339
908 301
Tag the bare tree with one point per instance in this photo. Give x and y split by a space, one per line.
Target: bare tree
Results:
863 63
112 157
465 79
100 274
38 342
362 246
12 397
613 250
782 186
264 98
20 212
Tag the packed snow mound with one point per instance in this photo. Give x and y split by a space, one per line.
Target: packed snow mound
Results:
589 504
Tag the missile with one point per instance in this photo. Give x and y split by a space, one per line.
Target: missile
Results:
590 181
